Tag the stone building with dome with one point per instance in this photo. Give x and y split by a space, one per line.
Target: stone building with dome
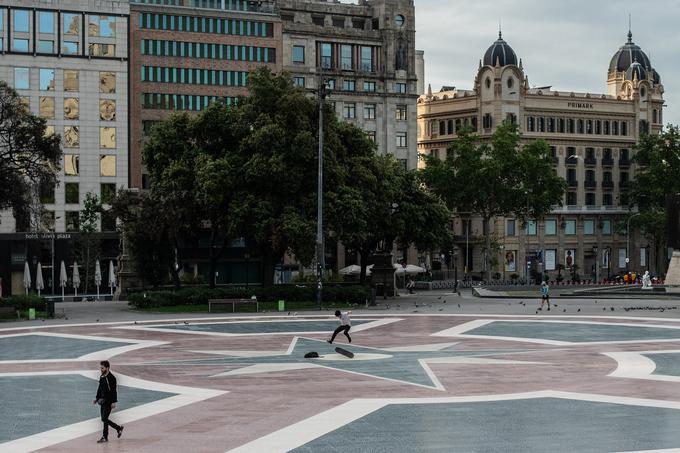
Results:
591 136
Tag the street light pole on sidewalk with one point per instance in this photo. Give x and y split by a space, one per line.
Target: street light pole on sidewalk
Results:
320 252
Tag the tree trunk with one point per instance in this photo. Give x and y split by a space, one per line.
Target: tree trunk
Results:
215 255
87 266
487 233
269 261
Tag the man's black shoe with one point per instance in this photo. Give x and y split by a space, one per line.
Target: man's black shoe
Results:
120 431
102 440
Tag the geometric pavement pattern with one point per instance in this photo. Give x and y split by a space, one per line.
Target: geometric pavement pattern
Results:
250 391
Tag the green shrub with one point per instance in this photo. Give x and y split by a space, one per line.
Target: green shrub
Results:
345 294
25 301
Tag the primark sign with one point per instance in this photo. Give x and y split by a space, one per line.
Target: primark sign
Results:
581 105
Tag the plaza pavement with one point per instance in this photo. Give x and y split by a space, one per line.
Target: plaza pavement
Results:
433 372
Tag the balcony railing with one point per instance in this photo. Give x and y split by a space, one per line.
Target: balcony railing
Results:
591 184
607 161
607 184
572 183
624 162
590 161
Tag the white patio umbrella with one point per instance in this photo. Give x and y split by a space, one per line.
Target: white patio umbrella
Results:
409 269
39 283
97 276
75 280
350 270
63 278
27 277
112 277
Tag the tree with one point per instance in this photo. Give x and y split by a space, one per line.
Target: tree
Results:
29 158
193 161
496 178
658 175
89 242
145 228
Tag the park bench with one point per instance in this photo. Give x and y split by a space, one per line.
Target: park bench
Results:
233 302
8 312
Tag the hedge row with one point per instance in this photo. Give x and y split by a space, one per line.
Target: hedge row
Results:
24 302
350 294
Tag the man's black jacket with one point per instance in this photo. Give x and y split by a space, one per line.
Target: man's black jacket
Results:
107 389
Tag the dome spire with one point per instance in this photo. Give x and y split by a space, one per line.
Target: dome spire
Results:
500 30
630 33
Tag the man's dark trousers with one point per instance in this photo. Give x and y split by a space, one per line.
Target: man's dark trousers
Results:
106 411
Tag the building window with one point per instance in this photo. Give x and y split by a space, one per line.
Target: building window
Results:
369 87
346 57
71 165
107 192
605 127
590 199
580 126
570 126
46 20
349 85
102 26
369 111
541 124
298 54
21 79
45 46
72 221
326 55
71 193
570 227
71 24
615 128
20 45
449 127
487 121
404 164
510 227
607 199
107 165
624 127
589 227
47 194
598 127
107 82
401 112
589 126
371 136
107 137
401 139
560 125
102 50
69 48
366 59
47 80
551 124
349 110
71 137
531 228
299 82
607 227
442 128
107 110
572 199
21 21
531 124
400 88
47 107
550 227
71 108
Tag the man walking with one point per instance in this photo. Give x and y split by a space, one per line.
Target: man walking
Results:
545 292
345 325
107 397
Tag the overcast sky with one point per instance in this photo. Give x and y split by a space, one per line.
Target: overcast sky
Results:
566 44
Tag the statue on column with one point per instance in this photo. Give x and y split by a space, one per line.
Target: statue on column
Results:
401 55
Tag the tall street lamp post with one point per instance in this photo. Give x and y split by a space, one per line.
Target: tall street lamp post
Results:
320 254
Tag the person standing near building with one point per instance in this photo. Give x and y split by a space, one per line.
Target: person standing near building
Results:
107 398
345 325
545 293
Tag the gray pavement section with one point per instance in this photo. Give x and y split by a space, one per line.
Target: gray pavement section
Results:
528 426
40 347
573 332
33 404
667 363
262 327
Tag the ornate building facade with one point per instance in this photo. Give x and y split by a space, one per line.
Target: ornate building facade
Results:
591 137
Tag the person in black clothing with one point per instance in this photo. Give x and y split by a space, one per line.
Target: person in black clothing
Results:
107 397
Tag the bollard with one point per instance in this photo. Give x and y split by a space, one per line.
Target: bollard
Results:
282 305
31 313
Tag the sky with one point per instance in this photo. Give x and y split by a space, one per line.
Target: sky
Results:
566 44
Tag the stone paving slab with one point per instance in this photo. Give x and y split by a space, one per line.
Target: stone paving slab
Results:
41 347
